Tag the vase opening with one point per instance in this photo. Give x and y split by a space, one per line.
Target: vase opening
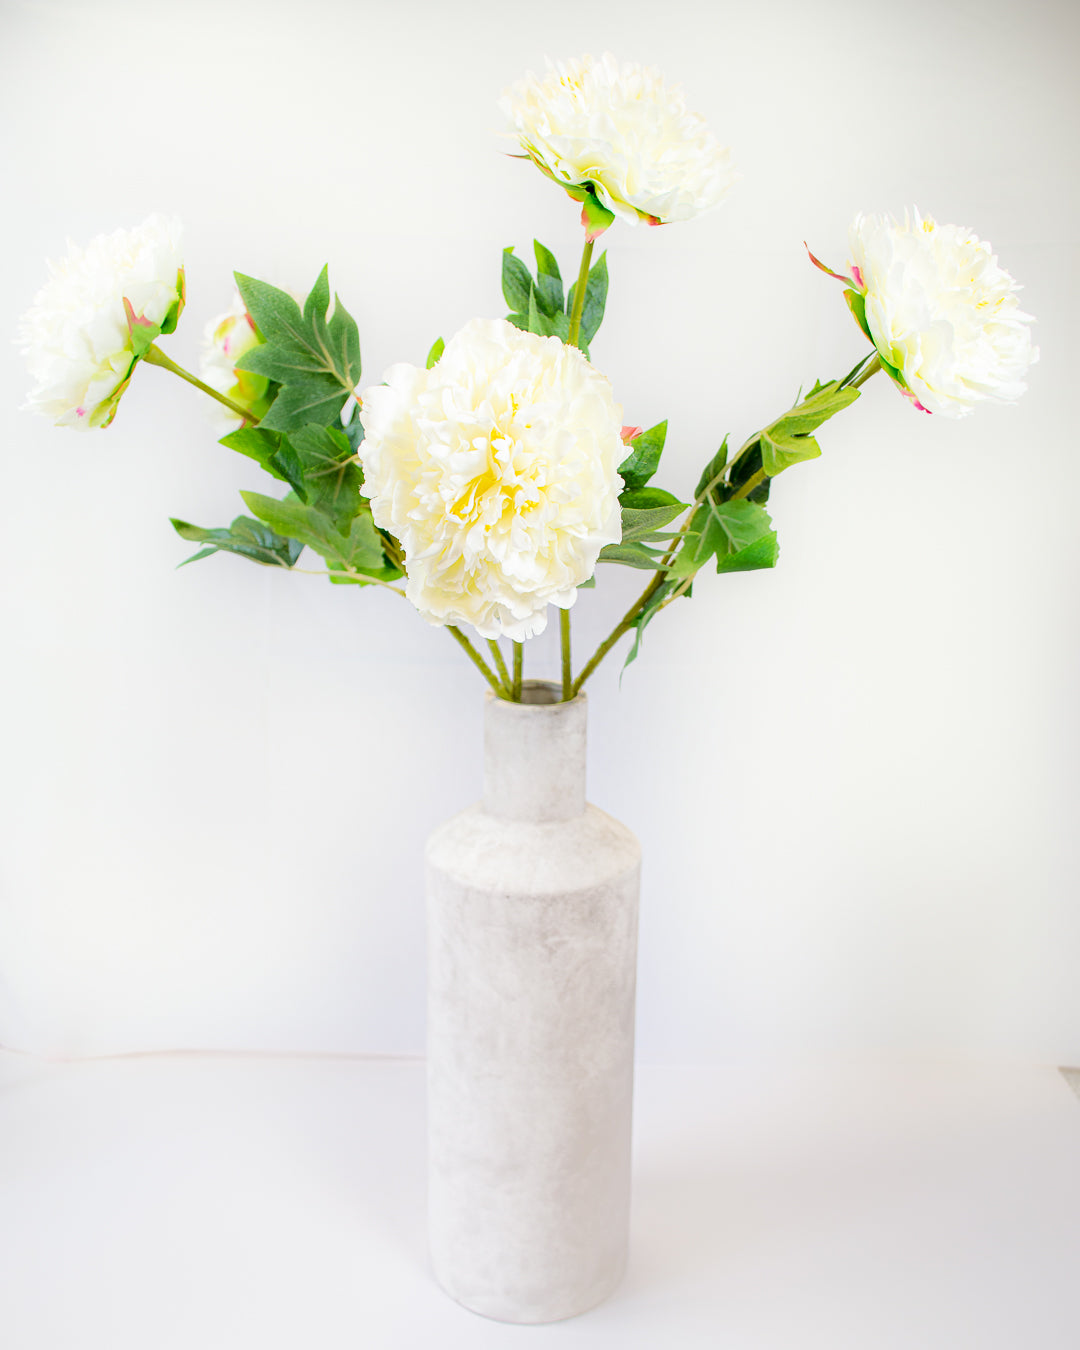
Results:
541 691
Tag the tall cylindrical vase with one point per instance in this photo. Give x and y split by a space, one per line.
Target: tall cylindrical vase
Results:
532 950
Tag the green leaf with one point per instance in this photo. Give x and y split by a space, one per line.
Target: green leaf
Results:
643 620
285 464
644 499
779 452
315 360
644 457
633 555
539 322
642 525
255 442
516 283
358 550
437 349
788 441
330 478
549 285
596 290
823 402
354 432
246 537
738 534
713 469
761 553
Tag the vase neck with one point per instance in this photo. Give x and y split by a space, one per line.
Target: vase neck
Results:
534 755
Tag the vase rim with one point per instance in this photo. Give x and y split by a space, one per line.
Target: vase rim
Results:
546 697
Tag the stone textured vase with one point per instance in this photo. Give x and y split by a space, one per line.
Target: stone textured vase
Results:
532 950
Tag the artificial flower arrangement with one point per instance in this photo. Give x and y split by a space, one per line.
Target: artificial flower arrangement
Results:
489 483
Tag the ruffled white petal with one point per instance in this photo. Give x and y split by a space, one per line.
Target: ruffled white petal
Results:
497 471
75 336
942 311
622 129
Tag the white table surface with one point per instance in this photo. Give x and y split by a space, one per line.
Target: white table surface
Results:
190 1202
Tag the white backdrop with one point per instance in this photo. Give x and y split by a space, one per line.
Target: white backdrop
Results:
854 777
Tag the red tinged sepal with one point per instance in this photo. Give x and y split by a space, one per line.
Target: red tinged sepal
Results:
142 330
827 270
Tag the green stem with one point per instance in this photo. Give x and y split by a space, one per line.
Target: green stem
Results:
156 357
623 626
871 369
500 666
475 657
755 480
564 643
519 665
579 295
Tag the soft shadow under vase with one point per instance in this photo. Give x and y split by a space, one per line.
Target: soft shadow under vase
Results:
532 950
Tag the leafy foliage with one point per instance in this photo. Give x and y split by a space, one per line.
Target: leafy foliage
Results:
314 358
788 440
644 457
246 537
739 535
655 603
537 304
323 511
358 549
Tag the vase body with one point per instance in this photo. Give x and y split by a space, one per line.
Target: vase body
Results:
532 950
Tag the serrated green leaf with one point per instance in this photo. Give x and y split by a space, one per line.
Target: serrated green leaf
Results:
642 525
437 349
246 537
596 291
516 283
315 360
285 464
549 286
644 457
738 534
330 476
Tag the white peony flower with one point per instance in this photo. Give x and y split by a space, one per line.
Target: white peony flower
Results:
226 338
497 471
78 335
941 312
620 132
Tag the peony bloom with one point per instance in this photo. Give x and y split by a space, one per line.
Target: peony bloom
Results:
226 338
497 471
621 134
95 317
942 314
